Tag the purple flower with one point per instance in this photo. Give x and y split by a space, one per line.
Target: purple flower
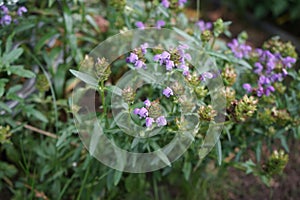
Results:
263 80
259 68
161 121
140 64
149 121
269 89
147 103
160 23
21 10
140 25
165 55
247 87
6 20
168 92
276 77
144 48
204 25
132 58
165 3
260 91
206 75
169 65
185 69
136 111
4 9
288 61
239 50
157 57
143 112
181 2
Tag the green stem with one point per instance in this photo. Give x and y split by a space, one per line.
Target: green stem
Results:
102 90
213 43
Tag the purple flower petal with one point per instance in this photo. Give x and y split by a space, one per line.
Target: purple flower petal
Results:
161 121
165 3
143 112
149 121
247 87
140 25
147 103
168 92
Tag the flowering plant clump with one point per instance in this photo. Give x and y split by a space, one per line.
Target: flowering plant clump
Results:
10 13
175 97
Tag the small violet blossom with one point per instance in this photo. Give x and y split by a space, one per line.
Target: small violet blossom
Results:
247 87
144 48
168 92
147 103
239 50
161 121
160 23
204 25
149 121
21 10
181 2
140 25
165 3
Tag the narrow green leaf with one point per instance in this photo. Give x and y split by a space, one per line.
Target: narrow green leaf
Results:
85 77
219 151
11 56
117 177
20 71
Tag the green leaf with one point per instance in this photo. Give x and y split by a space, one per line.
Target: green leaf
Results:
8 45
5 107
92 21
185 35
117 177
187 168
258 151
11 56
38 115
85 77
2 86
44 40
219 151
20 71
230 58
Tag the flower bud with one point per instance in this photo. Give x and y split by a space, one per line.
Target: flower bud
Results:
241 110
207 113
102 69
206 36
4 134
229 75
200 91
42 83
87 64
128 95
155 110
276 163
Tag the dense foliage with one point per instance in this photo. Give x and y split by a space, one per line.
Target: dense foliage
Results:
42 155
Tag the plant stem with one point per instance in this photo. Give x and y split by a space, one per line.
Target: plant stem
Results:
213 43
102 90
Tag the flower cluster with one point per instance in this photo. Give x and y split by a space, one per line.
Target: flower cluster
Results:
158 24
175 58
203 26
137 57
241 110
151 112
239 50
168 4
271 68
6 16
